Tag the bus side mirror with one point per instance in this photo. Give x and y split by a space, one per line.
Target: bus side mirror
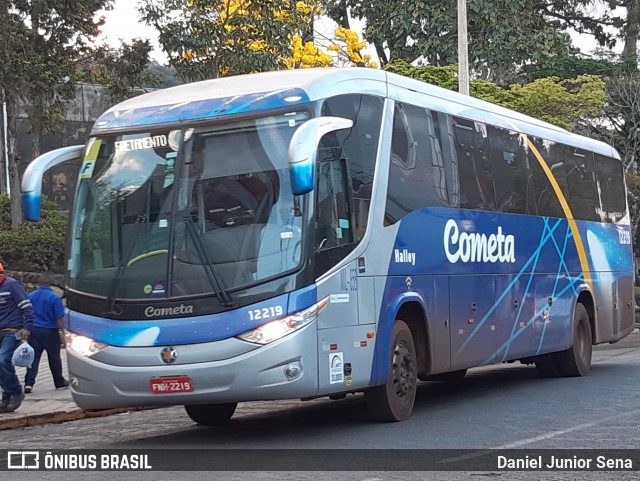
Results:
32 179
303 149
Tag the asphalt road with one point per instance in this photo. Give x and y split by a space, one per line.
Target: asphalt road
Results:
499 407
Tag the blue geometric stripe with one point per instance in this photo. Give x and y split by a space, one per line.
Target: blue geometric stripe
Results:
555 286
523 328
526 291
531 259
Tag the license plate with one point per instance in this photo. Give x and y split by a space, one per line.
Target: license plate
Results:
167 385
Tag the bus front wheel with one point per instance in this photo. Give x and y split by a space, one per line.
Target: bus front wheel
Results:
211 414
393 401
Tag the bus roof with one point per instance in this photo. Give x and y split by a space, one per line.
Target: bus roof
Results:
269 90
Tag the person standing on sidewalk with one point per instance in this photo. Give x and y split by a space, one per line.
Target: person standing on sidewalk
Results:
46 334
16 319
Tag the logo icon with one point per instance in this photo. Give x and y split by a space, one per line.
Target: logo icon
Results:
168 355
23 460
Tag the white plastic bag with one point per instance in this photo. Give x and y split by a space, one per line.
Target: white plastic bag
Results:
23 355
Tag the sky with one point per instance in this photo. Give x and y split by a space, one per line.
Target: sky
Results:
122 24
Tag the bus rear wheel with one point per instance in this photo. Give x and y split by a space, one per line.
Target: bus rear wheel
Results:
211 414
393 401
575 361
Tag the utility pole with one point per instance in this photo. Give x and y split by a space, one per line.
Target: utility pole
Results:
463 49
4 151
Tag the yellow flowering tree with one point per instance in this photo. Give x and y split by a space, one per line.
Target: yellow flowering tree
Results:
348 48
212 38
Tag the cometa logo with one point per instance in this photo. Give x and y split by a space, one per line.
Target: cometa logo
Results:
168 311
474 247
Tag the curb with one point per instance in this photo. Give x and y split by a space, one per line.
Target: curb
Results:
63 416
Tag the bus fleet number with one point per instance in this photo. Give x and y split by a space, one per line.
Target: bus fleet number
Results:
265 313
624 236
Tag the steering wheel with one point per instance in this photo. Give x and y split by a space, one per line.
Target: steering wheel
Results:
145 255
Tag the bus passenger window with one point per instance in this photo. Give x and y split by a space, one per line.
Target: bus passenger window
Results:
546 200
610 179
583 198
416 172
512 177
472 159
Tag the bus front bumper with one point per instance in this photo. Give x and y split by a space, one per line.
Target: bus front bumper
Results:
285 369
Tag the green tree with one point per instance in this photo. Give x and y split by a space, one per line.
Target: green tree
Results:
42 44
124 70
503 34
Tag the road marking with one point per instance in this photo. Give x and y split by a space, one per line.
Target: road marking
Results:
541 437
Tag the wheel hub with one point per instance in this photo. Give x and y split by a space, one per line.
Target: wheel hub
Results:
403 370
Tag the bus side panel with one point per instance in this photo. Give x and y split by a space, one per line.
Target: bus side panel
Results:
614 298
431 293
342 289
611 262
514 314
345 355
473 340
555 296
344 352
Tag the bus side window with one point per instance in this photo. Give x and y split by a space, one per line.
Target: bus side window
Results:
546 200
416 172
511 173
581 177
610 178
444 138
359 148
472 156
333 213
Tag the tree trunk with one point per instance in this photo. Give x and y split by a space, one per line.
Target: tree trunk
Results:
14 164
631 30
37 125
3 169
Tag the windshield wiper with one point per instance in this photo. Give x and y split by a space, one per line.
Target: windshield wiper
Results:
213 276
111 300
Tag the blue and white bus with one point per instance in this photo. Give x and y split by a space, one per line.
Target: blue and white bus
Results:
322 232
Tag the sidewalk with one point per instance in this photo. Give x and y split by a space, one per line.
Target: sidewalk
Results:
46 404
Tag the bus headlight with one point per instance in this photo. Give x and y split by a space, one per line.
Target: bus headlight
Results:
274 330
83 345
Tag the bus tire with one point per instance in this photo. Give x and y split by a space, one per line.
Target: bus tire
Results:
576 361
393 401
211 414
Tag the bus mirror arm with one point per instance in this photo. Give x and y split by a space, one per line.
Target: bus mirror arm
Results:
32 179
303 150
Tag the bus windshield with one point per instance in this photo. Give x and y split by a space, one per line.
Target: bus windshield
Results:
186 212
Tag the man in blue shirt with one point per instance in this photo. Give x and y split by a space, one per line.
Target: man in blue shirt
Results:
16 318
46 334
